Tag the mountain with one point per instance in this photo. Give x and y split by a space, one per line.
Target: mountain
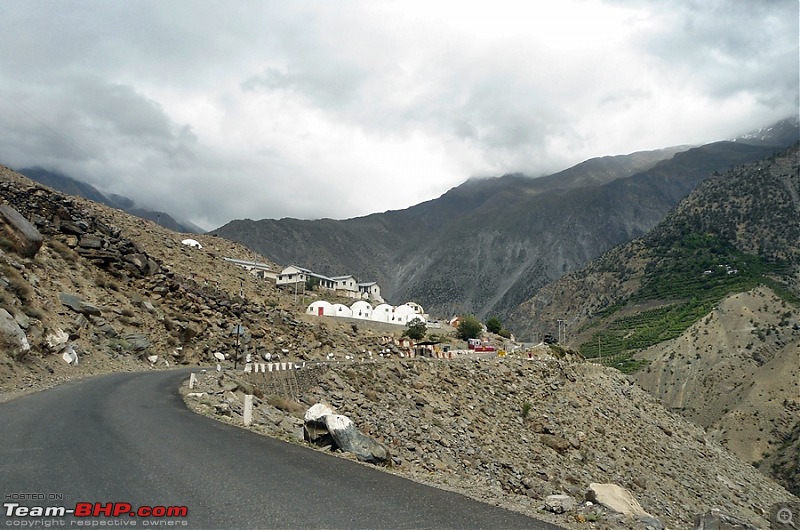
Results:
704 310
83 281
488 245
67 184
743 220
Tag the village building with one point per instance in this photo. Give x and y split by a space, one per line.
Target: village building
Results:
346 286
371 291
260 270
295 277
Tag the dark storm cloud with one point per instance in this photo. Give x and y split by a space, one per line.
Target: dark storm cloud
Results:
213 111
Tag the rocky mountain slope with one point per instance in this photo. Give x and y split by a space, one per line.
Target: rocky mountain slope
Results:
114 288
513 432
737 374
118 293
685 302
744 220
488 245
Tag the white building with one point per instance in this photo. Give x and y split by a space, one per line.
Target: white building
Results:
341 310
321 308
257 268
294 277
383 313
370 291
361 309
346 286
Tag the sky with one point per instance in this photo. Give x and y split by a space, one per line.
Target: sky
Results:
213 111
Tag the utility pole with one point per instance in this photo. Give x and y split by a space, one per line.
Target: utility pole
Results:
562 335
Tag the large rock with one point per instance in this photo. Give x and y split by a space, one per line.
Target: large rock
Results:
323 427
25 237
77 304
12 335
615 498
350 439
559 503
56 340
314 428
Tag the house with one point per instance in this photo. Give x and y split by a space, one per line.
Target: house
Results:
361 309
259 269
346 286
370 291
291 276
321 308
296 277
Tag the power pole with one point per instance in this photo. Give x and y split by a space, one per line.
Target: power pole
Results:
562 335
598 350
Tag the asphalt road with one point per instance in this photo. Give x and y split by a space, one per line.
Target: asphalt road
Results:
128 438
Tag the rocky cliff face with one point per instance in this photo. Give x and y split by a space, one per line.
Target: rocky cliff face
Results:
737 374
752 209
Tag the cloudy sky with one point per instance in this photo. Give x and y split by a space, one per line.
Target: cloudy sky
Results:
215 110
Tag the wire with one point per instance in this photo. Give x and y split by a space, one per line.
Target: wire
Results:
66 139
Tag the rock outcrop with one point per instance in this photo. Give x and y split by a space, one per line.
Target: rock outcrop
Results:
325 428
22 234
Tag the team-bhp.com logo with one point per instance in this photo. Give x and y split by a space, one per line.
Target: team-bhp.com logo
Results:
88 512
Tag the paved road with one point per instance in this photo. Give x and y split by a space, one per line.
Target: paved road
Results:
128 438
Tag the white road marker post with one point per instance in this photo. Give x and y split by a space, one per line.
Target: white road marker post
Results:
247 416
192 381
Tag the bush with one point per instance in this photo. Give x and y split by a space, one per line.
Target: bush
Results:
493 325
416 329
469 328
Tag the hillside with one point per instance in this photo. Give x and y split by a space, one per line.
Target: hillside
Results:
744 220
488 245
707 302
122 294
117 289
736 373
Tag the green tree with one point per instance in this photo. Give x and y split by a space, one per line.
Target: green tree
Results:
311 283
469 328
416 329
494 325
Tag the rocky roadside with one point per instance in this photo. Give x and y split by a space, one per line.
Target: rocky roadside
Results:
512 432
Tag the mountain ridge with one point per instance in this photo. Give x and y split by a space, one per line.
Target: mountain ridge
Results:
487 245
73 186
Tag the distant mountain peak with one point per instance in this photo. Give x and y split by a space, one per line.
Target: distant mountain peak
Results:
66 184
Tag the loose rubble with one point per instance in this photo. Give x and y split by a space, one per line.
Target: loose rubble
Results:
589 450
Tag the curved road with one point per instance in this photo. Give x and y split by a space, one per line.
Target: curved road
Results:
128 438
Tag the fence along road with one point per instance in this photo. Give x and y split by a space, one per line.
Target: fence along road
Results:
128 438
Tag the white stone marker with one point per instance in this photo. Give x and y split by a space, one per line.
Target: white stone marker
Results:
248 410
192 381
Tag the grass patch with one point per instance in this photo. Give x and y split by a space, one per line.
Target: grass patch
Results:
694 274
